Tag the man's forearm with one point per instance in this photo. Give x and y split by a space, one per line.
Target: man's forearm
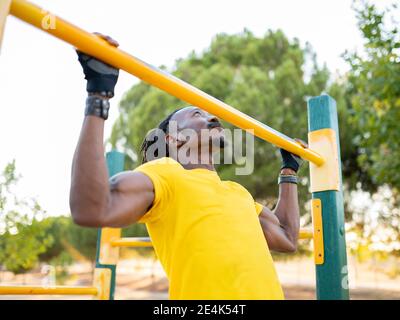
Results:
90 192
89 181
287 209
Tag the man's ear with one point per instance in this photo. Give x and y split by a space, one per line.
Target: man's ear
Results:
171 140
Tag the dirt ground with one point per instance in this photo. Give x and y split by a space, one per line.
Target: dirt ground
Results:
147 289
145 280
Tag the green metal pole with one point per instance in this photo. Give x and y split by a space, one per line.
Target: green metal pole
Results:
331 275
115 164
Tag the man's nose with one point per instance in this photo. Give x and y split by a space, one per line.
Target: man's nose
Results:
212 118
213 122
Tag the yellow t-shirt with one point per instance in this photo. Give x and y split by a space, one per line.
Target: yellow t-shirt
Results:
207 235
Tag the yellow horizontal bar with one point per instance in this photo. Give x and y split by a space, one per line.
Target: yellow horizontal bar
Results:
132 242
146 242
4 10
99 48
40 290
306 234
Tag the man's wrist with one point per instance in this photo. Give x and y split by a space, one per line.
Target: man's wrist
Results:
287 175
103 95
288 171
97 105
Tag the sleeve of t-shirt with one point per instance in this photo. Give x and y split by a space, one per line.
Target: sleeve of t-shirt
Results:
160 175
259 207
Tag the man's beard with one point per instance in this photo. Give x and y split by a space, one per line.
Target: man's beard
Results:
219 142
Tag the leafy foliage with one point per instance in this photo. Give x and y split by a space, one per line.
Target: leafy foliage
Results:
23 236
374 91
79 242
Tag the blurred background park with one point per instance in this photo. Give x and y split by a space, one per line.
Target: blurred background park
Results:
265 66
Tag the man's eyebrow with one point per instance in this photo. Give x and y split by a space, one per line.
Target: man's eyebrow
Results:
196 109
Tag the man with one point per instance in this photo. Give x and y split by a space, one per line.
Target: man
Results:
211 237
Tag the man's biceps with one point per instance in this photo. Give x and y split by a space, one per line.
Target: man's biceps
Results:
131 182
143 182
128 208
269 217
134 198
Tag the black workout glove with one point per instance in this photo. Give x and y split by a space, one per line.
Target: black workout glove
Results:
101 77
290 160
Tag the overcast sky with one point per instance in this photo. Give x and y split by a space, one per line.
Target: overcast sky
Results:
42 87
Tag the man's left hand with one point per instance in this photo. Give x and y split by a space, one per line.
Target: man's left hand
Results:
290 160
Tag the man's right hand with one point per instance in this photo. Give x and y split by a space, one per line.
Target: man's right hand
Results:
101 77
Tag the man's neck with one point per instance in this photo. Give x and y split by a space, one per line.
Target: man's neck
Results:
191 166
198 162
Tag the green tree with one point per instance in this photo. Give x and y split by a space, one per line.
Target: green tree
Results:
79 242
374 91
22 235
373 99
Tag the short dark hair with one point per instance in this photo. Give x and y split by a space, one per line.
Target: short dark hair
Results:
151 138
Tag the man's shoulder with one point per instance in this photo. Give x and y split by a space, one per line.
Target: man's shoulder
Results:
162 161
243 191
236 185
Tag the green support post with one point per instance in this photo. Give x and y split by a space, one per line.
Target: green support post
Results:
115 164
331 273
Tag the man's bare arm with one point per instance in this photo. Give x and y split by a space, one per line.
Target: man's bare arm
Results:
281 226
94 200
131 196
